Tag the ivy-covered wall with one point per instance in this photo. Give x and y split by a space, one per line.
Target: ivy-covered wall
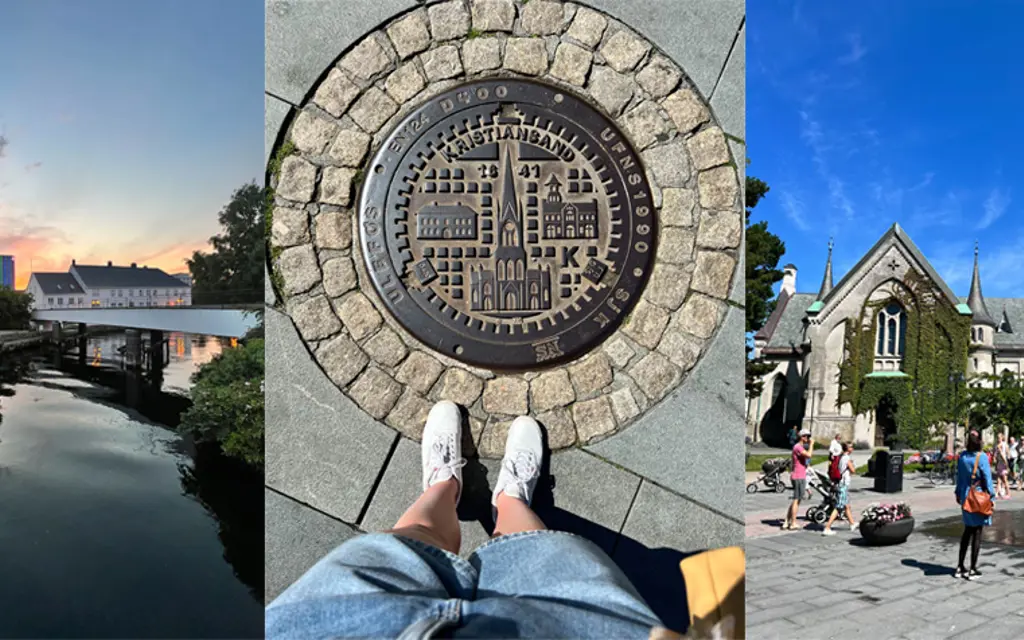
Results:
936 346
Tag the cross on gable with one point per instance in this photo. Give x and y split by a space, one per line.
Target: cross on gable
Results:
894 264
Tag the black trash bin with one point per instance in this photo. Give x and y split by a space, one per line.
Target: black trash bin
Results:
889 472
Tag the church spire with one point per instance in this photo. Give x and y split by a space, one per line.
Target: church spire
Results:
975 300
826 282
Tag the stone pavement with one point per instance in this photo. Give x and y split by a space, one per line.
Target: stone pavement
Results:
649 494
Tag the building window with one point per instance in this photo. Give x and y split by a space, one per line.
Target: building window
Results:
49 301
981 334
892 331
60 301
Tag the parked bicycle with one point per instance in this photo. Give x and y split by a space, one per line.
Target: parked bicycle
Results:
943 471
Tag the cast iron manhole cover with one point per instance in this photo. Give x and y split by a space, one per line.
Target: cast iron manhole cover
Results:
507 224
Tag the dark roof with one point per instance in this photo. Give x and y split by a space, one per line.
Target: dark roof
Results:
1010 312
58 283
976 301
126 277
787 329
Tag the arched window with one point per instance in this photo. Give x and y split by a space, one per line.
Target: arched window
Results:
974 335
892 331
981 334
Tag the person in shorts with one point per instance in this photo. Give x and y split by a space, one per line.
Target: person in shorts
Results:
843 491
802 452
1000 458
410 581
1013 455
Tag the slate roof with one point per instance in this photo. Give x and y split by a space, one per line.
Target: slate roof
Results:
1014 314
789 324
58 283
112 277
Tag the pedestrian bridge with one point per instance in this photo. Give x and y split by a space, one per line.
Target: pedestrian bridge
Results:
209 321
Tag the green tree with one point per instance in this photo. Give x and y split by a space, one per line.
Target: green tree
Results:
15 309
227 403
998 403
233 271
764 249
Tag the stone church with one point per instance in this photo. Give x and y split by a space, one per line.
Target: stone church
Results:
805 341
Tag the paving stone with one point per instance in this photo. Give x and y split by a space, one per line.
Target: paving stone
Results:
659 76
646 125
290 227
399 488
420 371
358 315
410 34
729 99
342 359
481 54
718 188
339 276
681 348
572 64
528 56
372 110
624 405
296 538
587 27
619 352
611 90
708 148
315 318
312 134
507 395
686 109
493 15
375 391
448 20
275 113
591 374
670 164
655 374
460 386
404 83
677 207
542 18
298 269
296 180
269 296
676 245
315 431
441 63
593 418
720 230
409 414
623 51
333 230
366 59
559 426
386 348
492 440
350 147
551 389
713 273
336 185
646 324
668 286
661 519
336 93
699 316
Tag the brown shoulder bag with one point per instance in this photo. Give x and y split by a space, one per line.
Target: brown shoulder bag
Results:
979 502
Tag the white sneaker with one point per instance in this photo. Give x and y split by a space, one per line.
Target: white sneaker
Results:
828 532
854 525
520 468
442 446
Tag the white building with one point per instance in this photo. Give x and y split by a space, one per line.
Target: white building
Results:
86 286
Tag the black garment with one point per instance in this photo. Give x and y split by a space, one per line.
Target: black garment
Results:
972 537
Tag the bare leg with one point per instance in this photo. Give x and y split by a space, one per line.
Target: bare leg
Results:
849 515
432 518
515 516
831 519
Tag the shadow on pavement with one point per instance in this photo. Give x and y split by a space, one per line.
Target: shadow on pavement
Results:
928 568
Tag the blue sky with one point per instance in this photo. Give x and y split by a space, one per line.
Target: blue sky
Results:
864 114
129 125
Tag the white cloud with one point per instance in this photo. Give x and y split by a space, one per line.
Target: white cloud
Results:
995 206
794 209
857 50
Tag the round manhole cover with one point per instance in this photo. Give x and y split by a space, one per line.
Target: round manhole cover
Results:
507 224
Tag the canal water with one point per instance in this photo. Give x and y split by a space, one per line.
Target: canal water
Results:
111 525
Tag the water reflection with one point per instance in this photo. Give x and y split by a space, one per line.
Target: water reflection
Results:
1007 528
112 525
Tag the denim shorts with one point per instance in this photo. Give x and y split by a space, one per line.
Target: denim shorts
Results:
533 584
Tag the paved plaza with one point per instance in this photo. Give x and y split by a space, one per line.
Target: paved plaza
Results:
343 454
802 584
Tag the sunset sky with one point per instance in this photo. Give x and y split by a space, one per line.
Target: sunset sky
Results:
128 126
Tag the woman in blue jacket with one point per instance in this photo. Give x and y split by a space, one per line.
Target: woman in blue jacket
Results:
973 522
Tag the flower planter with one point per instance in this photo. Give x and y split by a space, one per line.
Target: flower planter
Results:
880 534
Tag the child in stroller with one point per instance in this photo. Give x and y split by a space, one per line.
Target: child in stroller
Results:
771 475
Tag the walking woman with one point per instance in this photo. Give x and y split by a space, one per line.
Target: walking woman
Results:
1001 456
973 473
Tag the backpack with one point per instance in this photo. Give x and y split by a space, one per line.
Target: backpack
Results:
834 472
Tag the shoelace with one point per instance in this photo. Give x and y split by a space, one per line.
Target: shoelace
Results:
442 457
523 469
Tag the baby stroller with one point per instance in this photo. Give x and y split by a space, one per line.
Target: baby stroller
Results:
826 488
771 475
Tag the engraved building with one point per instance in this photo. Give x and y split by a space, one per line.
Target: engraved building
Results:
567 220
446 222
